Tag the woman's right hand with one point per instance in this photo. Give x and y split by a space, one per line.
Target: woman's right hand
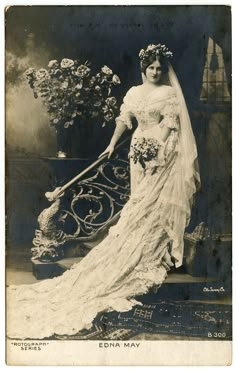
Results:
109 150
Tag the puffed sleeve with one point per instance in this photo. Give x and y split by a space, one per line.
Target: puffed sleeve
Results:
170 111
127 109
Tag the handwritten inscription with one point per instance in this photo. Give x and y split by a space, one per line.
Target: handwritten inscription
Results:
93 26
118 345
211 289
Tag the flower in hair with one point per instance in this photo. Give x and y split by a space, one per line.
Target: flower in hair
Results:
155 50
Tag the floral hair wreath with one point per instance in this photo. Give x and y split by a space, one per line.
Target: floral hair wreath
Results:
156 50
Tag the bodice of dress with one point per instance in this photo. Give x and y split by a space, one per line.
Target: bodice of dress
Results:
152 111
159 107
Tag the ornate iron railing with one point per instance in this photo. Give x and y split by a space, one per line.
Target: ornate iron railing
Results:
84 208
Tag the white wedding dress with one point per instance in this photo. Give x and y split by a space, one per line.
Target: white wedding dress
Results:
136 254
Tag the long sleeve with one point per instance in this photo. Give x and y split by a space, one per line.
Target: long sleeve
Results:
170 112
127 109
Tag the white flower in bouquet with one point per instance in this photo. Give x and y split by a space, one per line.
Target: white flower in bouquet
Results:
107 70
116 80
82 71
65 85
68 124
151 47
79 86
53 63
67 63
42 74
111 101
141 53
30 73
109 116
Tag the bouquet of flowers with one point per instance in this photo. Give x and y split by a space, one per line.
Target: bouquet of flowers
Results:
70 90
144 150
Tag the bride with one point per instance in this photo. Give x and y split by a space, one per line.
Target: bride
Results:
148 238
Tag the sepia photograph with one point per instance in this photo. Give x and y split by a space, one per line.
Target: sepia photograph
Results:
118 167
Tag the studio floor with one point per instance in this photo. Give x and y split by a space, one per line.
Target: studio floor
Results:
19 271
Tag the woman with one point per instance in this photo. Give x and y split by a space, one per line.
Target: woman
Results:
140 249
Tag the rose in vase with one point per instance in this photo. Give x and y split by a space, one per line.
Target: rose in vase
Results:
73 93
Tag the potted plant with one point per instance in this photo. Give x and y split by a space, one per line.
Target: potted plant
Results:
74 96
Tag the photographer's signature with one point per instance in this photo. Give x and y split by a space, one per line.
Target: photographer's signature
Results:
211 289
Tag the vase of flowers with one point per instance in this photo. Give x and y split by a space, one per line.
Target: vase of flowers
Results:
73 94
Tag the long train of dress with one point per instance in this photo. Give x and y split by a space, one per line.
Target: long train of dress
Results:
135 255
132 258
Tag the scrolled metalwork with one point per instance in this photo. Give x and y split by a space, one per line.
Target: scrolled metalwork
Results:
105 193
83 209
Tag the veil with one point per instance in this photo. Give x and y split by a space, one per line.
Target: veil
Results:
178 199
188 149
187 141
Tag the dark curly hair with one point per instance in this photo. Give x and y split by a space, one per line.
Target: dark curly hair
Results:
148 61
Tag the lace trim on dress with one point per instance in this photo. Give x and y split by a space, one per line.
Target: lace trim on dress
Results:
170 112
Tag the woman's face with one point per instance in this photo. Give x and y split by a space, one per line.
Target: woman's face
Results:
154 72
